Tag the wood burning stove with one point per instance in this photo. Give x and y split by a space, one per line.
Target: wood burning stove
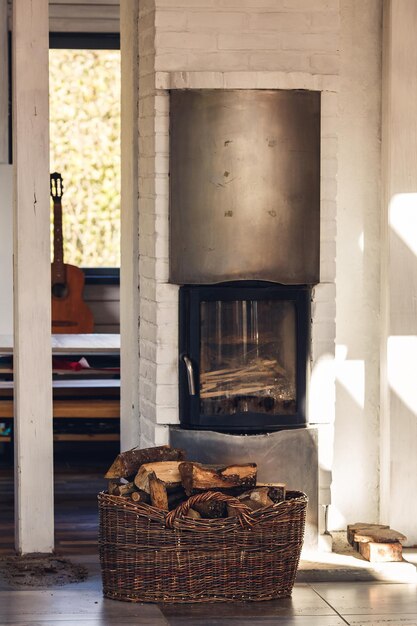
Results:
244 351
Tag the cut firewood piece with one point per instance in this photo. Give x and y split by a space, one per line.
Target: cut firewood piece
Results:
128 463
255 505
140 496
232 478
259 495
276 491
213 509
120 489
381 552
353 528
378 535
113 487
127 489
193 514
166 471
158 492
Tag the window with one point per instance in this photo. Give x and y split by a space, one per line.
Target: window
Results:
85 148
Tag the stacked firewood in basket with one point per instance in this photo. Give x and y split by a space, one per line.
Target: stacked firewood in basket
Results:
162 478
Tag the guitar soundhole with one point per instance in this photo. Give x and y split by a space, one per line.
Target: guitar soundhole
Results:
59 290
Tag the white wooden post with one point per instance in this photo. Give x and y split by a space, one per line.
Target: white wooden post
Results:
4 84
398 421
34 519
129 274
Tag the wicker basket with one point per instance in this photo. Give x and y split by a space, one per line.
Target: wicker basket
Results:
148 555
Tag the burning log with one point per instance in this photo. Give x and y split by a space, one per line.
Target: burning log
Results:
128 463
231 479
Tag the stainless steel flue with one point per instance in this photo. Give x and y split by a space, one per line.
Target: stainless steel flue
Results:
244 186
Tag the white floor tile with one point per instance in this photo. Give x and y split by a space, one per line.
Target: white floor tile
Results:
370 599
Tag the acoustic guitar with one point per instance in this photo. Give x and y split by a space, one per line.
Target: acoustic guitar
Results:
70 314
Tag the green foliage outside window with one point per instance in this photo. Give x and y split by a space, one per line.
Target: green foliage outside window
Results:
85 149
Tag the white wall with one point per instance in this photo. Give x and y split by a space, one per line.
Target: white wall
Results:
355 494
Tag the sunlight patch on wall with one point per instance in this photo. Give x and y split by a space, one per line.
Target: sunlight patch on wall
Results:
403 218
351 374
402 368
361 242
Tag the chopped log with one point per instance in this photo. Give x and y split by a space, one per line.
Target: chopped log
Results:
193 514
260 495
381 552
254 505
166 471
113 487
140 496
127 489
276 491
378 535
231 479
120 489
213 509
158 492
128 463
352 528
258 376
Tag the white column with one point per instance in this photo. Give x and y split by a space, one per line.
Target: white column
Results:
129 274
399 260
32 280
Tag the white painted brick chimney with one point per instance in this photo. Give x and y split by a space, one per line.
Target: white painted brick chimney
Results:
214 44
258 44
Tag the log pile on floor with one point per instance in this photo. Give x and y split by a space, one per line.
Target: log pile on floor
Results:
162 478
377 543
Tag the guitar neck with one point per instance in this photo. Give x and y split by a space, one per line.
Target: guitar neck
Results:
58 267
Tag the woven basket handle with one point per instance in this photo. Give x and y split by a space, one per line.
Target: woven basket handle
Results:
243 512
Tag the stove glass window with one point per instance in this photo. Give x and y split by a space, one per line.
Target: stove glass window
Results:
248 357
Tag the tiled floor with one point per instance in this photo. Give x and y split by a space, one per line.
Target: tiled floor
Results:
319 604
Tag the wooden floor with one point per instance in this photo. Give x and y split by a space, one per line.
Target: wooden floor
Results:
78 479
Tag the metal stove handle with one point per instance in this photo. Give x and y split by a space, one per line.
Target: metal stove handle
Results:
190 374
